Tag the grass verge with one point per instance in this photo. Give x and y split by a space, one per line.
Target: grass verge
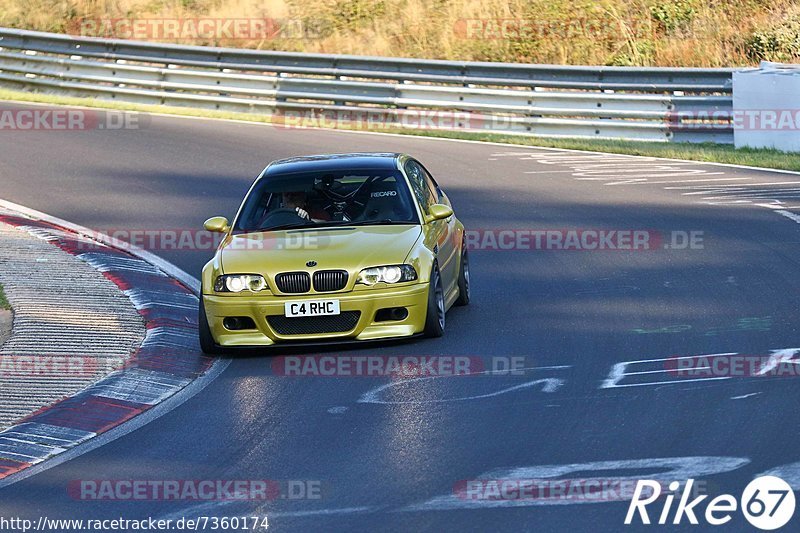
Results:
577 32
4 305
707 152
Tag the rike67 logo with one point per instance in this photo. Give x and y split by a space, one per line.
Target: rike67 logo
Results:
768 503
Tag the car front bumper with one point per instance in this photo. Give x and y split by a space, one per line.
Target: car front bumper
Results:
368 301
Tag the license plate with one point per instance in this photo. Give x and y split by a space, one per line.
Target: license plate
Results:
312 308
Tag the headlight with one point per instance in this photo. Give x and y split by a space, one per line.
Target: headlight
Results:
240 282
387 274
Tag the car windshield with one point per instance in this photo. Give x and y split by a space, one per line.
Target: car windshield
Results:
312 199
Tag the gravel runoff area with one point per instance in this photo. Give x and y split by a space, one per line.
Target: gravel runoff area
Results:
71 325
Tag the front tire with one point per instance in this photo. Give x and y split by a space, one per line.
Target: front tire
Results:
435 319
207 343
463 278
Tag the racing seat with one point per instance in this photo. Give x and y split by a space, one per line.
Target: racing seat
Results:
383 202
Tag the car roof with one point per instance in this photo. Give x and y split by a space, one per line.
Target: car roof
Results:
333 162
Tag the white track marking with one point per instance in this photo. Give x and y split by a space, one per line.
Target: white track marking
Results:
634 166
662 182
742 397
319 512
559 159
688 187
645 178
661 469
789 473
647 372
778 357
580 159
681 357
620 371
647 171
516 154
372 396
548 172
656 383
732 202
776 204
549 385
216 508
758 195
555 152
710 189
612 169
614 175
739 190
789 215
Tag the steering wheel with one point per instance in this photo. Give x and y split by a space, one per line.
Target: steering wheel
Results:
281 217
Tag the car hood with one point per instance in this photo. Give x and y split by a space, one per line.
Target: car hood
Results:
347 248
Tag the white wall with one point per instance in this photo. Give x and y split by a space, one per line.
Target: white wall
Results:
766 107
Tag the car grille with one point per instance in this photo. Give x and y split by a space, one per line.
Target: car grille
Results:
330 280
310 325
293 282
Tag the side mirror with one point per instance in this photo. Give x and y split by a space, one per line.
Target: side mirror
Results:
216 225
438 212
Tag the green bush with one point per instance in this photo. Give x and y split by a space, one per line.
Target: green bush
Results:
640 53
673 16
781 42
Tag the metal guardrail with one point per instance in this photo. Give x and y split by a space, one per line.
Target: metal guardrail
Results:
656 104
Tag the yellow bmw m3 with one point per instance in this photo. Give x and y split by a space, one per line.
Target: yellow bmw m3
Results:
332 248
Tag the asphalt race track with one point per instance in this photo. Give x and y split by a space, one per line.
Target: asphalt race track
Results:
389 458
